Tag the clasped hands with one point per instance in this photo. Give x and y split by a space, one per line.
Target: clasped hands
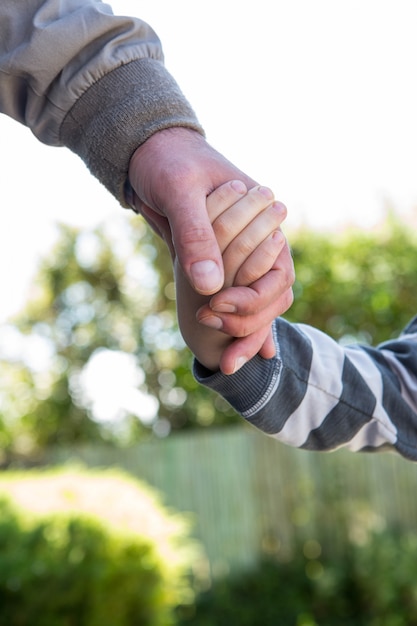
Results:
172 174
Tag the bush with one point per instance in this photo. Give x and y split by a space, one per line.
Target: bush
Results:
374 584
70 556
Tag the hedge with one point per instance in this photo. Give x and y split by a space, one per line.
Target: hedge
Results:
371 584
82 548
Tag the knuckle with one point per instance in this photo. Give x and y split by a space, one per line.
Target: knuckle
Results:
244 247
196 234
269 253
290 298
285 302
222 228
243 329
247 276
290 277
226 193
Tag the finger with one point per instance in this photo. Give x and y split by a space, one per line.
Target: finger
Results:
240 214
196 246
244 255
250 300
159 224
244 325
240 351
260 261
224 197
147 213
268 350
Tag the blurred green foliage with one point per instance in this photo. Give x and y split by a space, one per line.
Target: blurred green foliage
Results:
110 291
356 286
69 555
371 584
98 292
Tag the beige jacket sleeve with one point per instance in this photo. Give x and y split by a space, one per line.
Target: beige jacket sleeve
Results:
81 77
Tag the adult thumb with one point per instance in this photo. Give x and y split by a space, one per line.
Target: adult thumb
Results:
196 246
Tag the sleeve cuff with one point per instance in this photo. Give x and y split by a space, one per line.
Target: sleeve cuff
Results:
249 389
119 113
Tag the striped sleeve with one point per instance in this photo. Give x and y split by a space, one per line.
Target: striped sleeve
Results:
319 395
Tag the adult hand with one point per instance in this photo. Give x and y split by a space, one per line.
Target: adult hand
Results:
172 174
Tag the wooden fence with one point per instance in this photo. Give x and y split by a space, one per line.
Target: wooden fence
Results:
249 495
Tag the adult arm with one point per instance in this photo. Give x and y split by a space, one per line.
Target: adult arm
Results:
318 395
80 77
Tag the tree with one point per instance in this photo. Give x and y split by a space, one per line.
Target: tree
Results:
97 353
357 285
115 368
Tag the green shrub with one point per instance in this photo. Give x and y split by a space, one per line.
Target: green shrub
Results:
89 549
374 584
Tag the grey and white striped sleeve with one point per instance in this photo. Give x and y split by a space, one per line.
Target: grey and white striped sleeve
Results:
319 395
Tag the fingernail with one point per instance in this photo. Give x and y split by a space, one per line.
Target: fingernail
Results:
212 322
240 362
278 237
206 277
265 191
279 206
224 308
238 186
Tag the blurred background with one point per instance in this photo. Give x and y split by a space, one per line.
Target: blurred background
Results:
316 100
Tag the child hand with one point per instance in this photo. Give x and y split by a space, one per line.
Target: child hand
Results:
247 231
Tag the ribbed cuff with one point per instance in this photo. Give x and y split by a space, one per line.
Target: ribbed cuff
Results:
119 113
249 389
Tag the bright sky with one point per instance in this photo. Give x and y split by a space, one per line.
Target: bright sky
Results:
316 99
